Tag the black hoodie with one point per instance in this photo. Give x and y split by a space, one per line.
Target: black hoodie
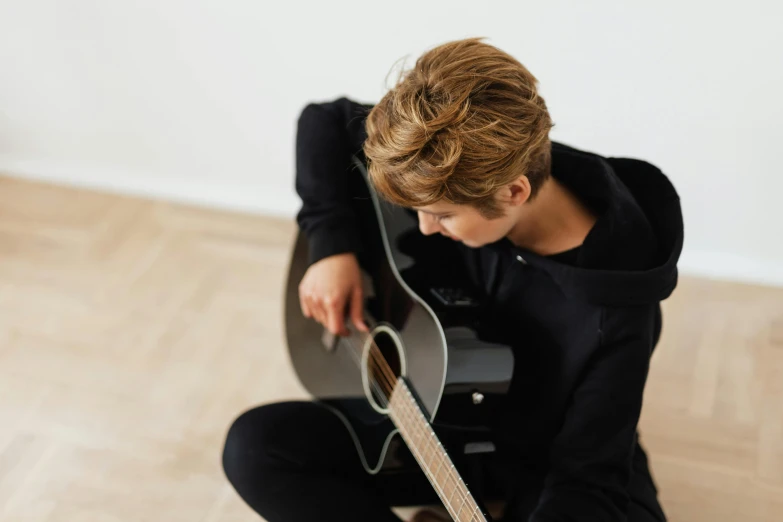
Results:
583 325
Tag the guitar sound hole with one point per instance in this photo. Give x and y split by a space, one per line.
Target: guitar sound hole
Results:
384 366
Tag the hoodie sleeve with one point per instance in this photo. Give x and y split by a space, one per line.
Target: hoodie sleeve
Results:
327 135
592 454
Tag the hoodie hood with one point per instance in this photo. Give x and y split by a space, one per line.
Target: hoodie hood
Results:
630 255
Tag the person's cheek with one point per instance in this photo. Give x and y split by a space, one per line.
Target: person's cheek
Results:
452 229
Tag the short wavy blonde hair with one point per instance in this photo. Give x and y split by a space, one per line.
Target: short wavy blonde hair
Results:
466 120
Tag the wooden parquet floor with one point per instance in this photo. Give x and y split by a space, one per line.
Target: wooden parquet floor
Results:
132 332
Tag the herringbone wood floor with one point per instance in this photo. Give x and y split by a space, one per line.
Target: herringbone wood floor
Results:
132 332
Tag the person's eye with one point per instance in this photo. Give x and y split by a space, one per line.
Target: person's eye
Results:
441 218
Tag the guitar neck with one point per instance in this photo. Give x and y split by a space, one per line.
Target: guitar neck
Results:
432 456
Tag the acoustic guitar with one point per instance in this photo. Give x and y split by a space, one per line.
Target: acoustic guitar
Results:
417 389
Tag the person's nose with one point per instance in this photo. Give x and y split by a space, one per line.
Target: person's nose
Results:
427 224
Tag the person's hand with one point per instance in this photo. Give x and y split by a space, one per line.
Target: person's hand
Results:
426 515
328 286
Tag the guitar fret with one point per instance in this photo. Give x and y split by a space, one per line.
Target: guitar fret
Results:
429 443
449 475
455 484
461 506
419 434
437 472
437 481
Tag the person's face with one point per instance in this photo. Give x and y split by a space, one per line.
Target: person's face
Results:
465 223
462 223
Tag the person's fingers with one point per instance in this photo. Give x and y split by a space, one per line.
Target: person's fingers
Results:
303 304
316 309
334 309
357 309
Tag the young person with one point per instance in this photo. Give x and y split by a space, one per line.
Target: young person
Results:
573 251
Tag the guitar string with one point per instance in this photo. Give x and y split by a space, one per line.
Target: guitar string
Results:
356 358
405 411
390 380
409 413
402 414
463 495
375 356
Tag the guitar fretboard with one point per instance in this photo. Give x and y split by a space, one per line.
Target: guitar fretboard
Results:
432 456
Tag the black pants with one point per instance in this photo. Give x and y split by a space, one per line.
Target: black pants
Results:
296 462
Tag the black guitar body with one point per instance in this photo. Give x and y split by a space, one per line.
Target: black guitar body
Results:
424 319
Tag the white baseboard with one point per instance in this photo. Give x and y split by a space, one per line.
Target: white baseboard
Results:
279 202
256 198
731 267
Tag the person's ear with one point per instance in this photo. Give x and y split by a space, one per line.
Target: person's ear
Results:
518 191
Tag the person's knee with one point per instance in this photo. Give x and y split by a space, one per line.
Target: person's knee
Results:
239 446
267 439
246 451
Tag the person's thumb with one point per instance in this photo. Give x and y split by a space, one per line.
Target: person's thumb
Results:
357 308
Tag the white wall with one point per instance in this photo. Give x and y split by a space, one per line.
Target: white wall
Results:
197 100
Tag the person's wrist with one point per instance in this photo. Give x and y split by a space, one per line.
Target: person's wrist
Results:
325 243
